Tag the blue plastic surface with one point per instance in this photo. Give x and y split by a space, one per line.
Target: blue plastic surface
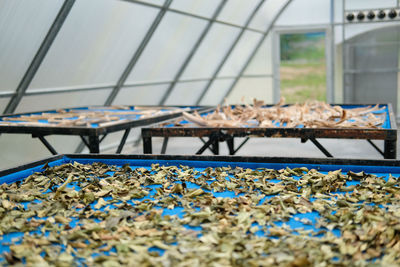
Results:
294 222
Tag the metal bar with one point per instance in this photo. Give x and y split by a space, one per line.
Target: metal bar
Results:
376 147
47 145
330 55
344 91
84 141
192 52
65 90
276 65
246 64
102 138
229 52
206 145
195 16
230 142
80 148
202 140
164 145
7 94
141 84
242 144
40 55
138 52
320 147
361 71
372 21
123 140
390 149
215 147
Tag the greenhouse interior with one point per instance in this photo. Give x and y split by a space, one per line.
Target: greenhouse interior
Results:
199 132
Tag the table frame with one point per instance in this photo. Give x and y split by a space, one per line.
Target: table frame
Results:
226 134
90 136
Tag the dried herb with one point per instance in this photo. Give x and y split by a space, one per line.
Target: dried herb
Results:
97 214
308 115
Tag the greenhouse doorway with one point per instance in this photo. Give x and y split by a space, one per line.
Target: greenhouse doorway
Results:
303 66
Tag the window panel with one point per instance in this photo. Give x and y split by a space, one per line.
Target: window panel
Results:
168 48
249 88
186 93
204 8
262 61
62 100
240 54
23 26
141 95
95 44
211 51
237 11
216 92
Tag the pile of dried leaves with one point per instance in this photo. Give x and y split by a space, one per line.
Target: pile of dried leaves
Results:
308 115
98 214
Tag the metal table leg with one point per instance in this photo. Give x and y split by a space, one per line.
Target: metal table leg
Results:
320 147
94 144
212 139
231 145
123 140
376 147
47 144
209 148
215 146
240 146
147 147
164 145
390 149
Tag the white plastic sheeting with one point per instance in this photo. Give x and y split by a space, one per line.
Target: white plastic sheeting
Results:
23 25
202 8
95 44
54 101
99 38
210 52
167 49
140 95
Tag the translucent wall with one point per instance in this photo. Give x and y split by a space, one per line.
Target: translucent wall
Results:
22 27
183 52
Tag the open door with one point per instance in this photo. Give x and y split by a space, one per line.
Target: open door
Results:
303 65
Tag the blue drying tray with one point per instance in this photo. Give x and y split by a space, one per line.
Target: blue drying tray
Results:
378 167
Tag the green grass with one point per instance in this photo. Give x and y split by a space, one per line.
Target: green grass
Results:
301 86
303 75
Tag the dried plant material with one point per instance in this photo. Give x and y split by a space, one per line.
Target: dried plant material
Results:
308 115
102 215
102 116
